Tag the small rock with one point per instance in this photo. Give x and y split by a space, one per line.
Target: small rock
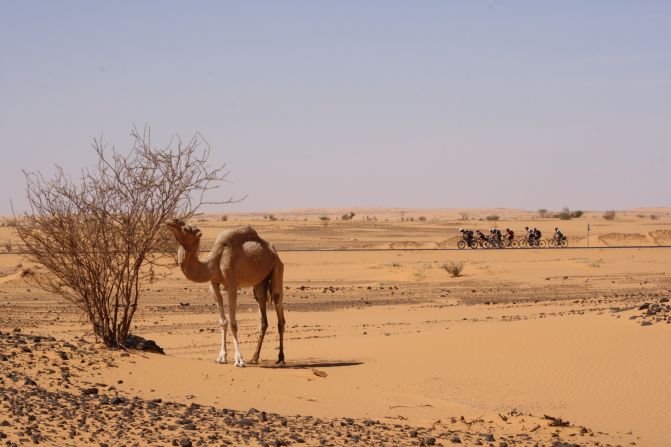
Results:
413 433
185 442
245 422
89 391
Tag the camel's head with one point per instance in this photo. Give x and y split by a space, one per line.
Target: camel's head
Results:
186 235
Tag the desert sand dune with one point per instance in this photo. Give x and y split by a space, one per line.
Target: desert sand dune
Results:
381 347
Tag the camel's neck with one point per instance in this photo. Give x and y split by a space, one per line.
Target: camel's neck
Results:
192 267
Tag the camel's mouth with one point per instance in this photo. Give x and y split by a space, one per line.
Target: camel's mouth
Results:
174 223
181 227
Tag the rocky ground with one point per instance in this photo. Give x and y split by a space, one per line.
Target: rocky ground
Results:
45 400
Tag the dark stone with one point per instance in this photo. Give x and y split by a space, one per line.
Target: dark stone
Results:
413 433
142 344
191 426
116 400
245 422
644 306
646 323
453 440
432 440
185 442
89 391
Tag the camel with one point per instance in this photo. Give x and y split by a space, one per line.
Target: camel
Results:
239 258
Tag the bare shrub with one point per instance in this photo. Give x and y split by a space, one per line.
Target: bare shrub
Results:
464 216
492 217
454 268
99 237
543 213
653 217
609 215
565 214
224 218
8 245
9 222
422 218
348 216
577 213
324 218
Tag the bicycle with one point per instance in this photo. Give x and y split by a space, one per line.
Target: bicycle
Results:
555 242
466 243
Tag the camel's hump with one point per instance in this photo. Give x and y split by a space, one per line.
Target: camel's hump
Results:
240 234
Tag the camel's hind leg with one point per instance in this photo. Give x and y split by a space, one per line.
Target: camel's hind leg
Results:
280 326
232 304
261 295
222 320
276 290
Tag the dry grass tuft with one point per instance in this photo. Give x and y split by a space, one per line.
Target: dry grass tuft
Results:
454 268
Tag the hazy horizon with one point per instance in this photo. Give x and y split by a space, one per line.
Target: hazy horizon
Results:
334 105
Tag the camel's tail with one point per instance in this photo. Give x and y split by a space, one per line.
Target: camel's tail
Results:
276 282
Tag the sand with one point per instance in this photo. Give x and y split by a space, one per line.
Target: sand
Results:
407 354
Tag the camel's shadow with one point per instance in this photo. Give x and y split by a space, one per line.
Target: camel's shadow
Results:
309 364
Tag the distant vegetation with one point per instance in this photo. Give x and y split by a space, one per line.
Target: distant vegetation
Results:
609 215
348 216
224 218
9 222
493 217
8 245
270 217
565 214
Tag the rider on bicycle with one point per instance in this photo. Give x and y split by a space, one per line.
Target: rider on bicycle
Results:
559 236
510 234
496 233
537 234
481 235
467 235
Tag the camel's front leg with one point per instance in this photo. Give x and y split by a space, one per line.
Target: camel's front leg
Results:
232 303
222 321
261 295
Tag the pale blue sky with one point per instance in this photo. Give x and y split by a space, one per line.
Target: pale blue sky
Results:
338 104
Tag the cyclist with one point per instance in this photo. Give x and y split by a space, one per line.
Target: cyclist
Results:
481 235
559 236
537 234
529 234
510 234
496 233
467 235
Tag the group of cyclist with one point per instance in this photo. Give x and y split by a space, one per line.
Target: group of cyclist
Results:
532 237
